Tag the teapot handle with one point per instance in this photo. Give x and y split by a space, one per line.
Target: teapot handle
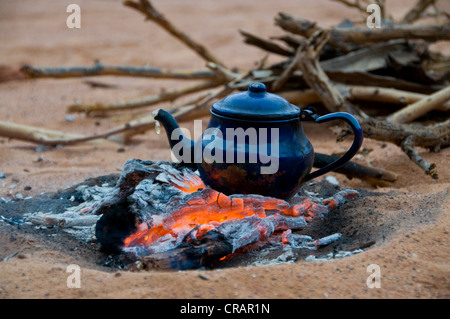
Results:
309 114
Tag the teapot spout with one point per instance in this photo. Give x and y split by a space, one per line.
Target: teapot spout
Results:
182 147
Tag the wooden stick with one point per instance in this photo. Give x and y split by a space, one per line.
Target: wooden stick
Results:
373 176
289 70
35 134
430 33
361 93
183 113
370 79
266 45
341 37
306 29
168 95
416 12
145 7
408 147
315 77
139 126
99 69
421 107
386 95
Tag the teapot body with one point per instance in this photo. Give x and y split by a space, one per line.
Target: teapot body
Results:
269 158
255 144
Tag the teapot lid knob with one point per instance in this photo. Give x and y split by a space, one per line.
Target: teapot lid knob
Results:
257 87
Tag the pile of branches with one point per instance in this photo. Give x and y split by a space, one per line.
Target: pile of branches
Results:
345 68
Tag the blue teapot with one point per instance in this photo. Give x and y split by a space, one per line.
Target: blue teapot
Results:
255 144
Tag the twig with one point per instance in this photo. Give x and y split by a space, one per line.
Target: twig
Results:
36 134
421 107
266 45
386 95
431 136
373 176
408 147
223 72
99 69
145 7
289 70
341 37
167 95
416 12
370 79
361 93
430 33
316 78
306 29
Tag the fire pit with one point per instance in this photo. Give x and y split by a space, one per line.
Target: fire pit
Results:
160 215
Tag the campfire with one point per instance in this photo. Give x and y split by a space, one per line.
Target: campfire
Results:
161 214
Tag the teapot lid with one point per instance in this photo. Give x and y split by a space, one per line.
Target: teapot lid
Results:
256 104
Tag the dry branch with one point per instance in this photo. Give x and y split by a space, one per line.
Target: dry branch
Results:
37 135
408 147
151 13
342 37
266 45
289 70
421 107
386 95
373 176
416 12
99 69
361 93
164 96
316 78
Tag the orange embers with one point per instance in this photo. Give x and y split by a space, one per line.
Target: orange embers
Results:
205 210
188 182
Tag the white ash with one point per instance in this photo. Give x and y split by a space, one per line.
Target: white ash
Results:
78 220
287 257
332 180
151 194
328 239
96 193
334 255
297 241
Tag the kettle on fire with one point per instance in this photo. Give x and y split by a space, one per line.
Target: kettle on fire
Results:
255 144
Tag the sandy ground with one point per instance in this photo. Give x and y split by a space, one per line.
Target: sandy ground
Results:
414 260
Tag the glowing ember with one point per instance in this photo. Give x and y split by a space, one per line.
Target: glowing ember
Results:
242 219
187 182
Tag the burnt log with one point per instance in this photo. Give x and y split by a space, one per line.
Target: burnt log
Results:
124 210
